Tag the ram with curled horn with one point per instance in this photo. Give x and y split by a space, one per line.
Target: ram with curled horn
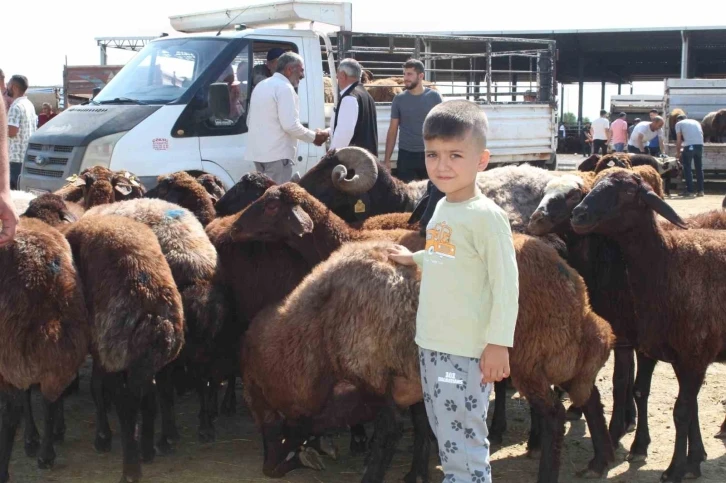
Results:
355 185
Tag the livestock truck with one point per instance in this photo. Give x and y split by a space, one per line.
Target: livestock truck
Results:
161 113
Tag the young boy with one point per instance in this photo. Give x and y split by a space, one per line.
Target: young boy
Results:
469 295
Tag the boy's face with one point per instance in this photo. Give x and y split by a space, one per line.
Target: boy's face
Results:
452 165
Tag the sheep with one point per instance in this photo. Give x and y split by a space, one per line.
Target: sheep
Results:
193 262
46 335
250 187
213 185
328 95
136 319
186 191
390 221
21 200
660 263
73 189
384 90
714 126
371 190
51 209
672 120
97 185
378 299
644 164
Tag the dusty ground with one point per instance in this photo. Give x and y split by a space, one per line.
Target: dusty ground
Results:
236 456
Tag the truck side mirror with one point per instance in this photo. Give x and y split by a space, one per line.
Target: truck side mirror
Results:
219 100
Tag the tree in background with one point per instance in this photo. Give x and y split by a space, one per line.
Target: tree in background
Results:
570 119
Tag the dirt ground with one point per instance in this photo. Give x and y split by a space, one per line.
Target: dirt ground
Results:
236 456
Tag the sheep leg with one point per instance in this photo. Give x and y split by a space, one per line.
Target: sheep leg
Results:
722 433
165 388
421 445
553 430
127 407
388 431
32 438
624 360
205 389
696 451
534 443
102 443
639 448
358 439
148 418
602 446
11 412
59 428
229 401
499 418
282 452
689 382
46 458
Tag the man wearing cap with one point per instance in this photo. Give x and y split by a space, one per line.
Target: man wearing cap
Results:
619 133
689 134
263 71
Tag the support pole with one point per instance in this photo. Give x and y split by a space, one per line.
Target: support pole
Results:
489 73
620 85
562 101
581 75
684 54
104 58
602 96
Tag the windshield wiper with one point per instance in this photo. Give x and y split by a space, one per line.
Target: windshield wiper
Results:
121 100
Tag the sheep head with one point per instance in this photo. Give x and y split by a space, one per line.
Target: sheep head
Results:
561 195
74 188
617 203
213 185
719 121
612 161
589 163
51 209
250 187
276 216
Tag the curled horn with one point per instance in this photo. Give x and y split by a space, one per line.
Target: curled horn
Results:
661 207
363 163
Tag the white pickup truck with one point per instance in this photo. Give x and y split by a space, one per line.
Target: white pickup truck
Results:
157 114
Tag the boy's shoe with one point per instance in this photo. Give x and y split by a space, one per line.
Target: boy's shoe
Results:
699 194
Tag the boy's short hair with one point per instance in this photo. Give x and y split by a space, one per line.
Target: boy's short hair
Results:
456 119
654 111
414 64
603 112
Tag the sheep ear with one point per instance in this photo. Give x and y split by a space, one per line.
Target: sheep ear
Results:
295 178
214 198
661 207
68 217
300 222
123 188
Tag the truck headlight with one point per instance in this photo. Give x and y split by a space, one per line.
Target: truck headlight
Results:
98 152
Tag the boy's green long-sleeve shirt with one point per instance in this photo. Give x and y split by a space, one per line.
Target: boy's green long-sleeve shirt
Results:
470 282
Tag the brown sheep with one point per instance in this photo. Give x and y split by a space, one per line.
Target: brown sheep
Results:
646 172
714 126
98 185
620 160
51 209
73 190
213 185
673 325
137 323
46 333
389 221
186 191
672 120
359 279
384 90
328 95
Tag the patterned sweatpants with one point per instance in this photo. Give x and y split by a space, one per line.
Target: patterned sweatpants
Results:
456 405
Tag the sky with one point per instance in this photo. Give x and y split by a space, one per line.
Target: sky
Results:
42 34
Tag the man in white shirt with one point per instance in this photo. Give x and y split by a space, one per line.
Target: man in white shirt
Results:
354 121
643 133
274 121
600 132
22 122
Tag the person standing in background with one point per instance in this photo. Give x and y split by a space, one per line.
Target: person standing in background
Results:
8 217
636 121
408 111
46 114
4 92
586 139
689 134
619 133
600 132
22 123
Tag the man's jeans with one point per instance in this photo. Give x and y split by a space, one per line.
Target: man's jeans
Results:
619 147
15 169
600 146
693 152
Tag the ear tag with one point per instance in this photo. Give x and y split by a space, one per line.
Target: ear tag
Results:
611 163
360 207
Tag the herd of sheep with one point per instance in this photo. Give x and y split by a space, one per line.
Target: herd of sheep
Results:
289 287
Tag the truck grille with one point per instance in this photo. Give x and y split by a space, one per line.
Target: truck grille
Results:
44 172
56 161
63 149
57 149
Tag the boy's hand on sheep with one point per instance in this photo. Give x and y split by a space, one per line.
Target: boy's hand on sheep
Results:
8 218
401 255
494 363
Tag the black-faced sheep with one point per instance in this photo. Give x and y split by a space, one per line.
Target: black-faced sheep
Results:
714 126
659 265
213 185
249 188
193 262
186 191
44 319
136 320
359 279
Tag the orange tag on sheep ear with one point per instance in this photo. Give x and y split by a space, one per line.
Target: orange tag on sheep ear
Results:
360 207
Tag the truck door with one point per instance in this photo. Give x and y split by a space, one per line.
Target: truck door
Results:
223 142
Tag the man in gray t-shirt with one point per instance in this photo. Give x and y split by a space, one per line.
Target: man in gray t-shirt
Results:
408 111
689 134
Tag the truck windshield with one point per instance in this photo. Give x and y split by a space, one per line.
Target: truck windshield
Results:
161 72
